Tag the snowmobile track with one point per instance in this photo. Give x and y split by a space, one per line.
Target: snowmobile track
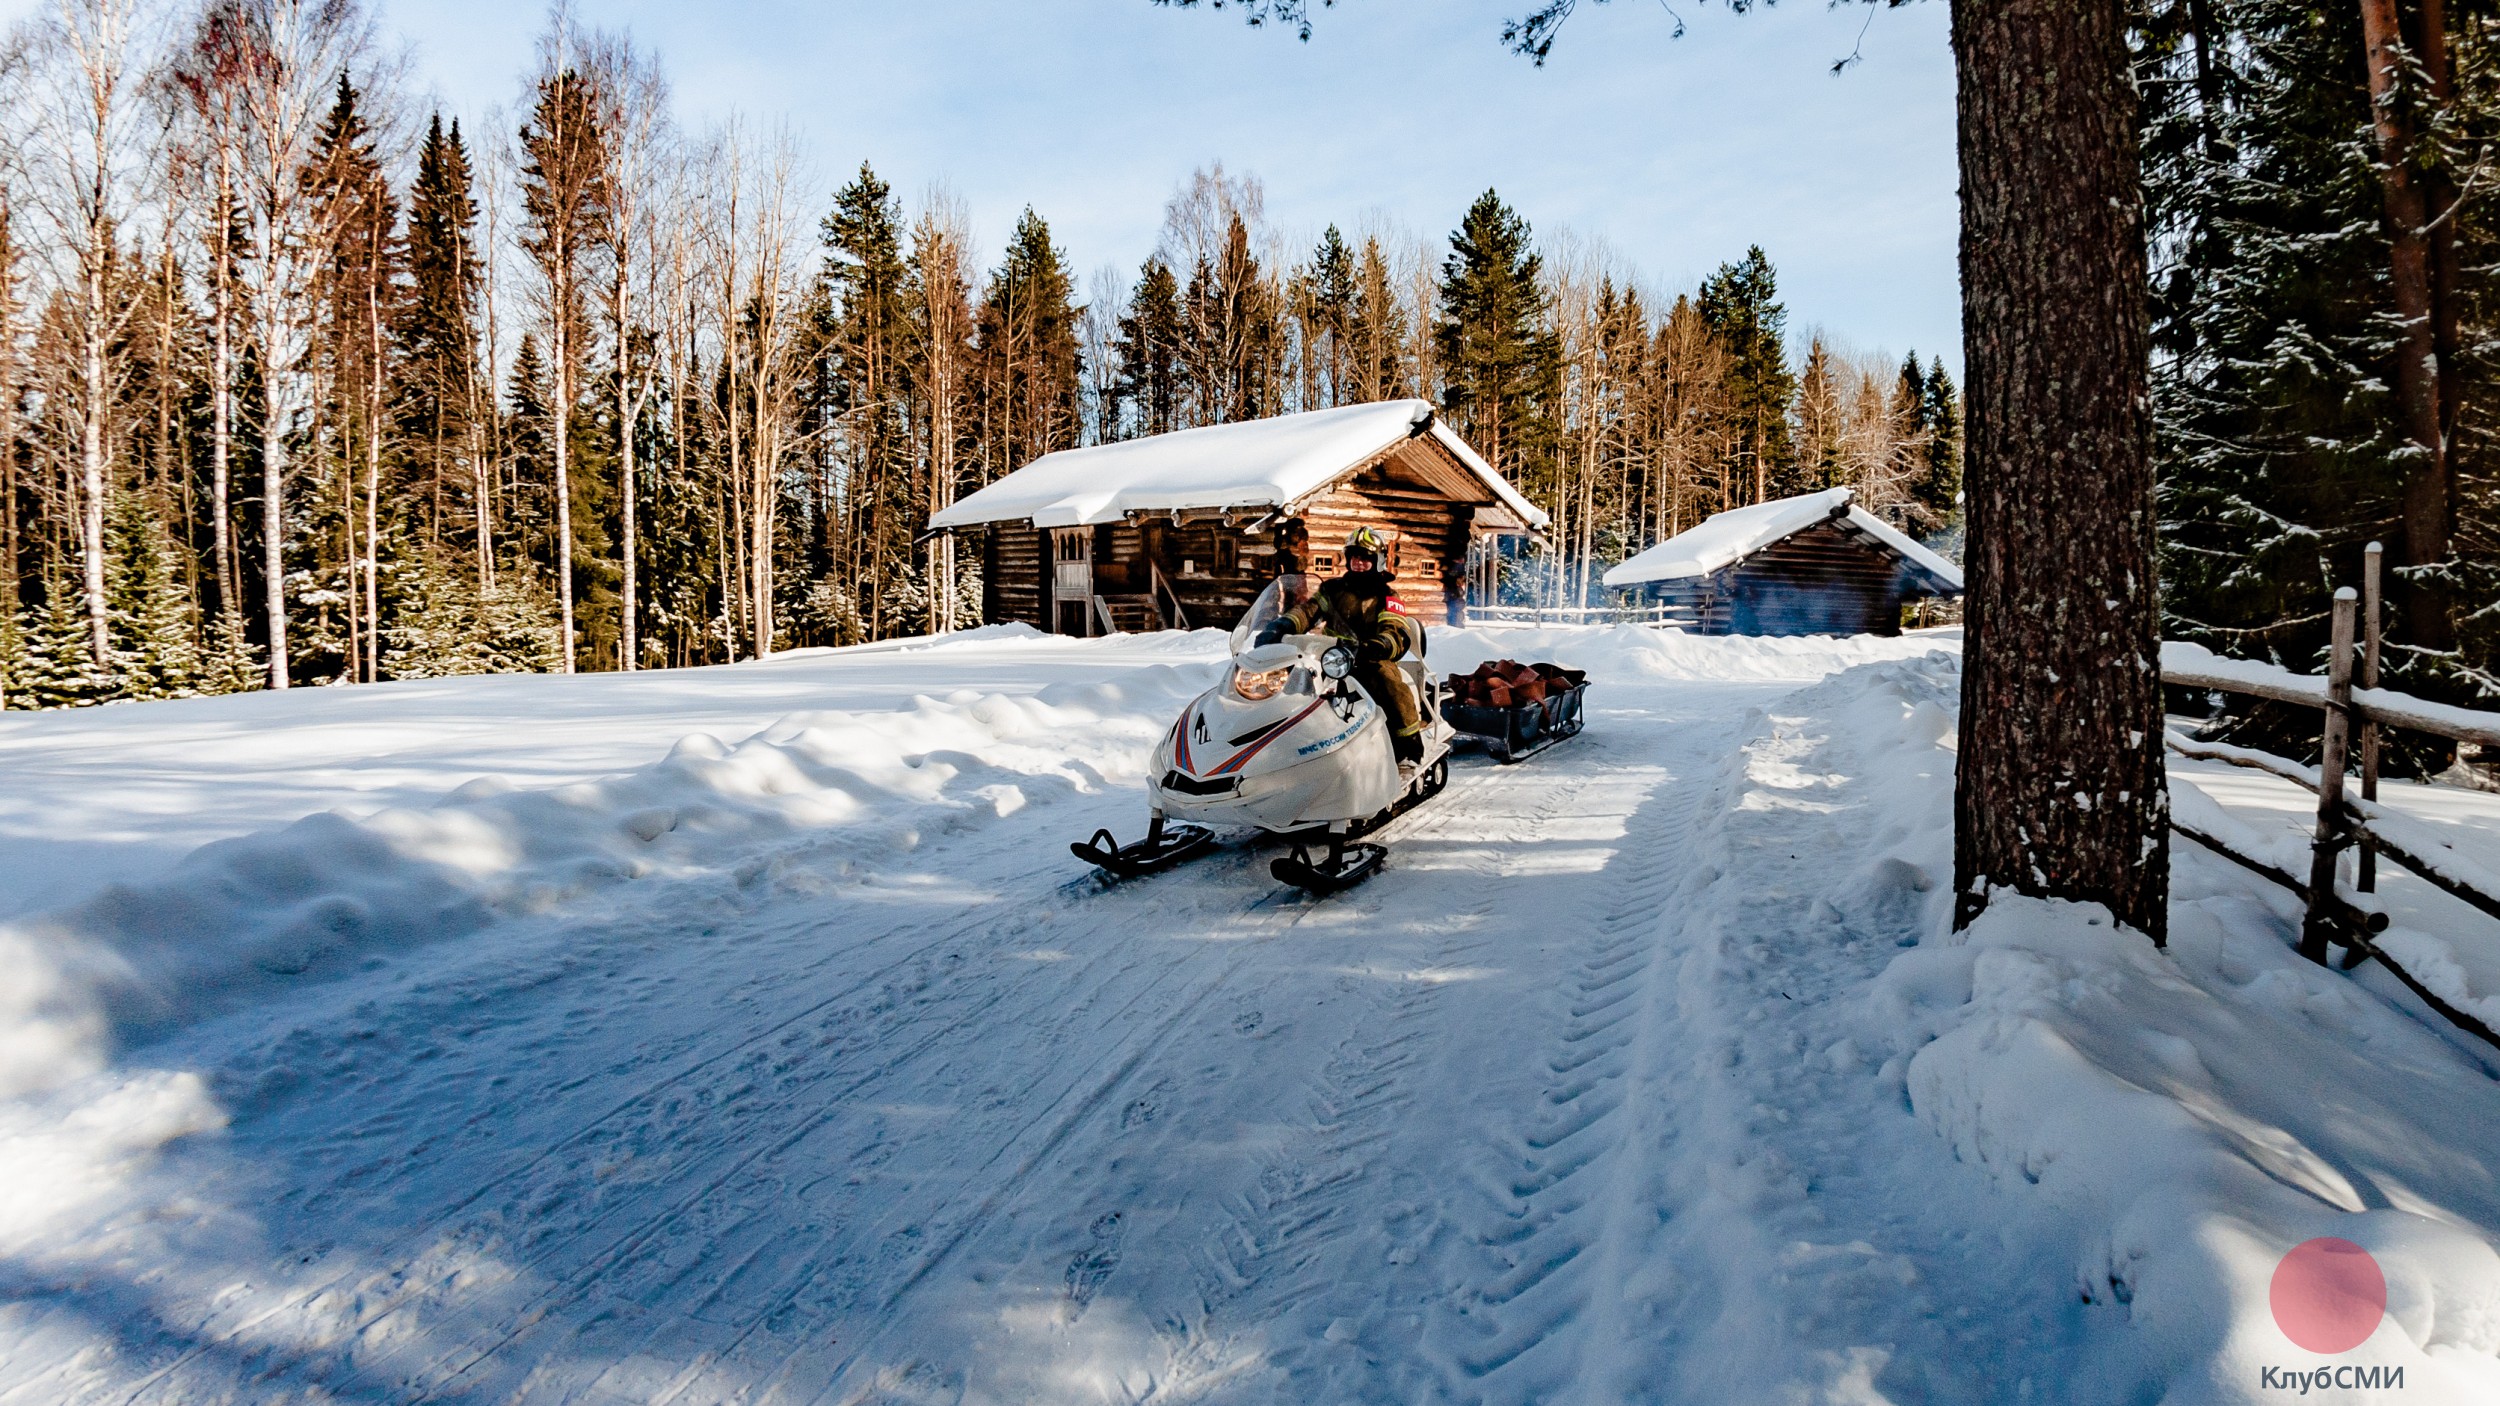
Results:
409 1247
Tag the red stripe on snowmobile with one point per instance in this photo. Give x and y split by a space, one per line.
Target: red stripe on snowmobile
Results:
1180 741
1245 754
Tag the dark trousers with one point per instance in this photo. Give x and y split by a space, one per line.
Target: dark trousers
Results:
1388 686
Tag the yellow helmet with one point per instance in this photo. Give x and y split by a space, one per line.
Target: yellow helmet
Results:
1366 542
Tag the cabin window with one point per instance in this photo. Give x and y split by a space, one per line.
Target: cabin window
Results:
1227 554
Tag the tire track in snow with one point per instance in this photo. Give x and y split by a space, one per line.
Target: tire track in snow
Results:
1042 1136
739 1155
1554 1199
463 1223
1288 1234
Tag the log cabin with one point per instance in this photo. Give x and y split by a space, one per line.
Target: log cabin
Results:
1183 530
1817 564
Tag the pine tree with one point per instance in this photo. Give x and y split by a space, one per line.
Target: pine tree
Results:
1501 363
1741 305
1232 357
1819 419
1376 337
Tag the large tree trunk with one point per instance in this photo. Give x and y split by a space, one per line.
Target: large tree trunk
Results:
2060 790
2429 496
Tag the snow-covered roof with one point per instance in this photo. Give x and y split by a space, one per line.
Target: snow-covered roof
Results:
1727 538
1251 464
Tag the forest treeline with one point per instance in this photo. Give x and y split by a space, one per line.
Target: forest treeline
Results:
302 383
2324 278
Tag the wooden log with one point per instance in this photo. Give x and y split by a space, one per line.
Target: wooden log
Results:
2431 873
2363 949
2352 918
2331 835
2250 758
2372 557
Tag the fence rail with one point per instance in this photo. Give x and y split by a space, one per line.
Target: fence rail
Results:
1566 614
2350 703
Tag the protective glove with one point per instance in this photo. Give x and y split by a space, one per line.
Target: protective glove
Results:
1273 632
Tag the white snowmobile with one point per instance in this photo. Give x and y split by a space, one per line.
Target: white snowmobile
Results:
1289 743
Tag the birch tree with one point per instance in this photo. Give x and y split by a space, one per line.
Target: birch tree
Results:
85 152
291 54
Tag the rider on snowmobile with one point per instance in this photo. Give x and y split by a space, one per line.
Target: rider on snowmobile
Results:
1361 608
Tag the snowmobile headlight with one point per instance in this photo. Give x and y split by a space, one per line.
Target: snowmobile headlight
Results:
1259 687
1337 662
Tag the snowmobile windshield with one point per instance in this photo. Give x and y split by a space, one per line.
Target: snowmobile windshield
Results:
1285 593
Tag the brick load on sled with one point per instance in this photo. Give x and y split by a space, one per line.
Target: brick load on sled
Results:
1516 710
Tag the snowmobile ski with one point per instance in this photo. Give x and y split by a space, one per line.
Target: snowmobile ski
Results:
1164 847
1342 868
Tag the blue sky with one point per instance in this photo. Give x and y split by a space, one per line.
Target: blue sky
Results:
1676 152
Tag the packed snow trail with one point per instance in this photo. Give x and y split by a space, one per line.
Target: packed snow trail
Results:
1643 1073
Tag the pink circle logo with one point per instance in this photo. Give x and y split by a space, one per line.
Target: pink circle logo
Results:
2328 1295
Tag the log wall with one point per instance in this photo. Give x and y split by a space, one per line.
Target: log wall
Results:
1818 581
1217 569
1015 577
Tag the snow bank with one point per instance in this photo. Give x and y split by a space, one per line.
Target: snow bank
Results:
2176 1120
278 905
1638 653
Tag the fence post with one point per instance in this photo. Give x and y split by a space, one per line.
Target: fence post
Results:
2372 596
2317 925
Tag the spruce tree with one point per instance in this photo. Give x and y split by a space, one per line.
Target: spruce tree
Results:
1026 337
2280 441
230 663
441 383
1936 491
1330 290
13 660
1740 303
1501 363
154 629
866 351
59 659
1148 387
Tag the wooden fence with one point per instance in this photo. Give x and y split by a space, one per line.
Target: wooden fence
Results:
2355 711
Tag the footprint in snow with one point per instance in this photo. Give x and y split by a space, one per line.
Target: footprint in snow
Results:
1093 1264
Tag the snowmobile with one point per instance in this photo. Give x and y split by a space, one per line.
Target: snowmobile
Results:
1288 742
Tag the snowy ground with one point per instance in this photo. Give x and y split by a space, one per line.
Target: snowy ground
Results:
800 1062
